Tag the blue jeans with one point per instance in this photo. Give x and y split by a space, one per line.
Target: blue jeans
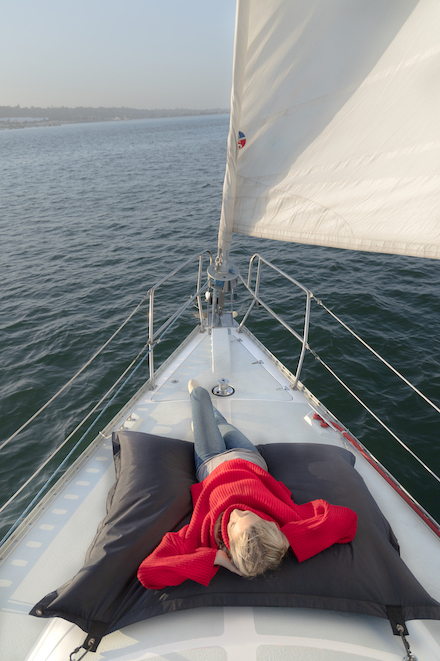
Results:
212 433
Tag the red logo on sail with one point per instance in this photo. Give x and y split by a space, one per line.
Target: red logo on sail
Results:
241 140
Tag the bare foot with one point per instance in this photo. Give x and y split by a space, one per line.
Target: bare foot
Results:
192 383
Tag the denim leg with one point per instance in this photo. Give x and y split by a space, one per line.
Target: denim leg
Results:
232 436
212 433
208 440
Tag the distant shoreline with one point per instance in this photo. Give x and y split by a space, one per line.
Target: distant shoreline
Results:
17 117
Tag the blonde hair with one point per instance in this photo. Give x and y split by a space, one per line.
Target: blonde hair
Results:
259 548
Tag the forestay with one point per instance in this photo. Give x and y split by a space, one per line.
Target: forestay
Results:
338 103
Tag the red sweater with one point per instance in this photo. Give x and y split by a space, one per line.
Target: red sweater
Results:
239 484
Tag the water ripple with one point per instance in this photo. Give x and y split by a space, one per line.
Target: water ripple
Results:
91 215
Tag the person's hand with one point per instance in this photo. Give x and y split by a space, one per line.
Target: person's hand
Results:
222 559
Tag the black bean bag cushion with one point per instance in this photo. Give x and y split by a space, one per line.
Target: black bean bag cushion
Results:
151 496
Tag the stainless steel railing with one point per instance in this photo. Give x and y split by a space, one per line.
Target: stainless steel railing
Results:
305 346
155 338
256 299
152 334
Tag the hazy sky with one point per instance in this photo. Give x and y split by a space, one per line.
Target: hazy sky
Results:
133 53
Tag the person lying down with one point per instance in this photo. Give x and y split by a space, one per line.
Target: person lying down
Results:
243 519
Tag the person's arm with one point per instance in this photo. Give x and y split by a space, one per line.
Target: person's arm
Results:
223 560
326 525
171 563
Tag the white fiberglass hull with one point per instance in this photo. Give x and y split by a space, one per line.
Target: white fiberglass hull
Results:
50 546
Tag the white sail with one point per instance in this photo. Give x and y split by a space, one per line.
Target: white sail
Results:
339 104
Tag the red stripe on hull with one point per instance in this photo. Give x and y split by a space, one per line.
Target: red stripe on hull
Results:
394 484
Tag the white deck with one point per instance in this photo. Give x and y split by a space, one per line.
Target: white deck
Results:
266 410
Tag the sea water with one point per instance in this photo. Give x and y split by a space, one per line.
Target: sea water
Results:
92 215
